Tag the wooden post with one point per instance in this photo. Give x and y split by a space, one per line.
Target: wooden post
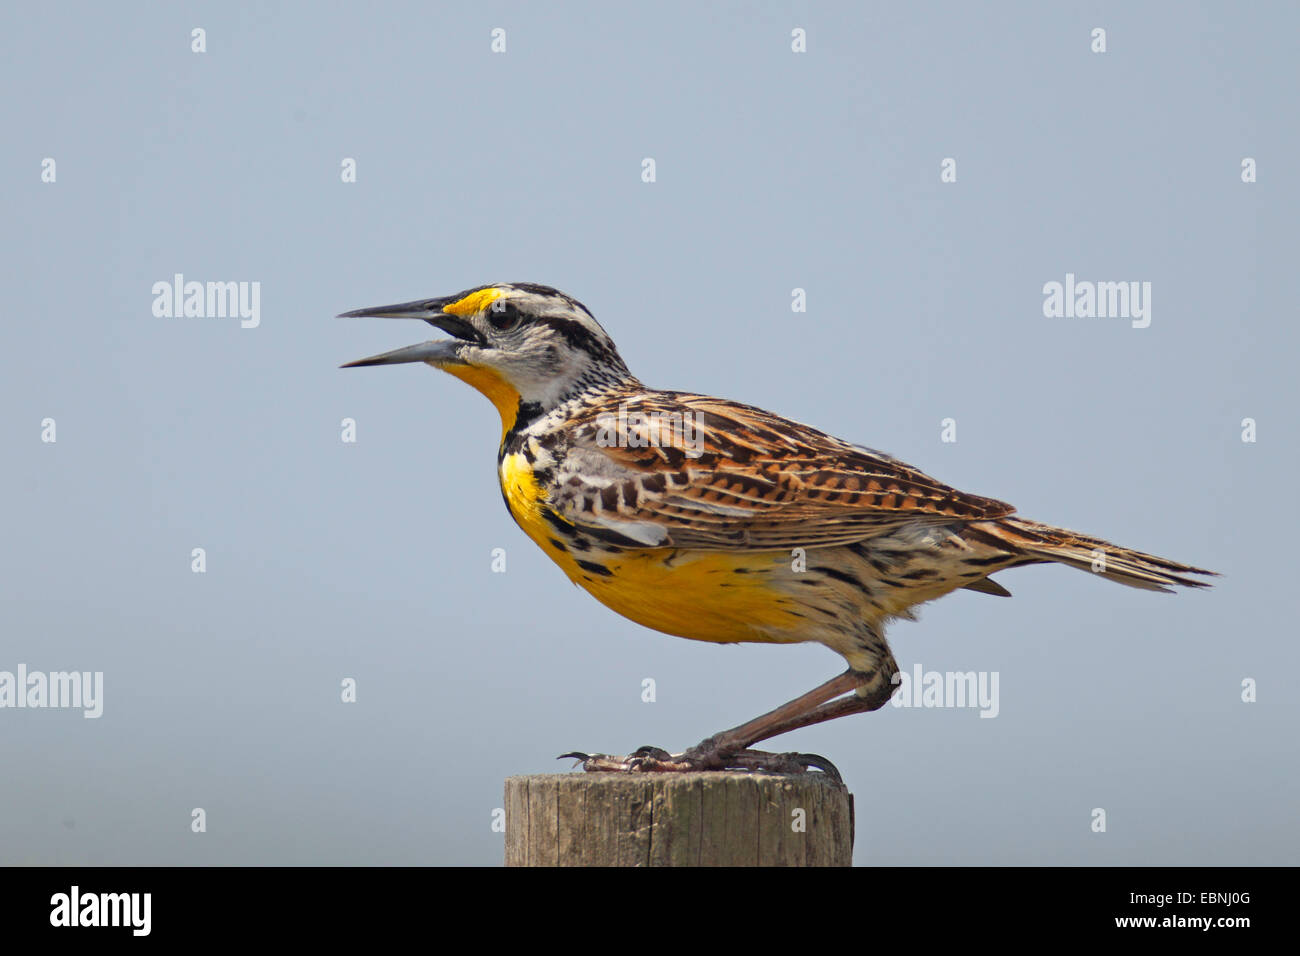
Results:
677 819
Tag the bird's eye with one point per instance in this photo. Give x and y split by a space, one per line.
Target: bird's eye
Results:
504 318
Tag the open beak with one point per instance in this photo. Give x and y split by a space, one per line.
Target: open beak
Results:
430 310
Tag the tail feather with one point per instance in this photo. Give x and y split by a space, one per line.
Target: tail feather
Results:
1043 542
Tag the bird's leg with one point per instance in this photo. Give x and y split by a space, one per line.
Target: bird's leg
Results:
818 705
776 722
730 749
827 711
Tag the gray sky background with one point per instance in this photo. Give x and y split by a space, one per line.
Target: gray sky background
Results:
775 170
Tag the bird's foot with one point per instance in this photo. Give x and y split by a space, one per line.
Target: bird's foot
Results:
707 755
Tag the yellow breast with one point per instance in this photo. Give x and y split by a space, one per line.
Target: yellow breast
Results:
693 594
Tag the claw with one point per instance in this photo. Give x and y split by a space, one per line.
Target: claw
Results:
822 764
700 758
656 752
655 760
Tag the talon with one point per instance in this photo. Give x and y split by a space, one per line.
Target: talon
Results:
702 757
656 752
822 764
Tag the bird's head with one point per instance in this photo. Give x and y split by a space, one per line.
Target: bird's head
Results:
526 347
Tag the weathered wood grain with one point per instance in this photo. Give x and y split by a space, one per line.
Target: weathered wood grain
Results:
693 819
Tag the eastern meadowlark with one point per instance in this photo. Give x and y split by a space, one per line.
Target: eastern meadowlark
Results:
718 521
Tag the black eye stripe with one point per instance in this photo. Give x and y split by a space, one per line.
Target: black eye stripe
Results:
578 336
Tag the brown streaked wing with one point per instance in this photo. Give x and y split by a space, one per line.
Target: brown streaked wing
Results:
745 480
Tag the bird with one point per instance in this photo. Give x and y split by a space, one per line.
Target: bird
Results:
717 521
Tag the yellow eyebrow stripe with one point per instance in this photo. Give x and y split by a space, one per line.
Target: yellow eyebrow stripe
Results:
473 303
